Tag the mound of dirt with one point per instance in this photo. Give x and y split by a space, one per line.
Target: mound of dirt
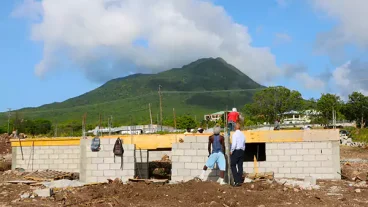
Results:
5 146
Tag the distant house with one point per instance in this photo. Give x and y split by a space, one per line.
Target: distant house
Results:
299 117
215 116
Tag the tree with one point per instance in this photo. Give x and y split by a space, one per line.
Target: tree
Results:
272 102
326 104
356 109
185 122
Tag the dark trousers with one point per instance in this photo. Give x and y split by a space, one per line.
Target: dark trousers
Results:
237 159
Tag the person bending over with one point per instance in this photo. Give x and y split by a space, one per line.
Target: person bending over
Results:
216 141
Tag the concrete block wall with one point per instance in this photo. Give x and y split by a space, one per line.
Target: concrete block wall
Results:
320 159
141 163
100 166
188 159
60 158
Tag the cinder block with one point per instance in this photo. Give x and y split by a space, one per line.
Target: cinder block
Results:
279 175
296 158
43 167
302 152
309 157
185 159
283 146
104 141
289 164
91 179
202 152
68 161
190 152
63 166
108 160
58 161
191 166
315 164
308 145
179 165
64 156
68 151
271 146
178 152
284 158
327 151
284 170
109 172
174 172
177 178
268 152
326 163
296 170
290 152
91 154
73 166
40 151
174 146
76 161
198 146
73 156
277 152
129 166
202 139
97 160
126 153
314 151
97 173
49 161
324 170
309 170
322 157
101 179
184 172
190 139
184 146
322 145
103 166
48 151
174 158
272 169
76 151
198 159
44 156
296 145
38 161
272 158
302 164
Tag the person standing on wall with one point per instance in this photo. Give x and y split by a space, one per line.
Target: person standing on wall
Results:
237 155
232 118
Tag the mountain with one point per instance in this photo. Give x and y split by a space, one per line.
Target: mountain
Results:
127 98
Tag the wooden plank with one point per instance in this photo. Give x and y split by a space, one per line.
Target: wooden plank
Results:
22 181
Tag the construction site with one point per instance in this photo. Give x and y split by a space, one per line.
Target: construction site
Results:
291 167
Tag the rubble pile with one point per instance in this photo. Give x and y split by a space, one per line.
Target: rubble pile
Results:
5 146
345 140
307 184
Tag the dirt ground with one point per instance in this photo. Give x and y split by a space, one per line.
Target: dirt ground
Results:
193 193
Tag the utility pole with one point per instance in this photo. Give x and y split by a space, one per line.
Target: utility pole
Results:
55 132
110 124
174 118
150 112
9 114
227 147
99 125
84 125
159 93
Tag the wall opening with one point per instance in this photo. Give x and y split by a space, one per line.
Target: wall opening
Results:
160 166
255 149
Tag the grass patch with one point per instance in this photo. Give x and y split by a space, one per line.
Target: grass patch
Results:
360 135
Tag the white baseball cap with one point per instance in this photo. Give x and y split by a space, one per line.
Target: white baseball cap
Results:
234 110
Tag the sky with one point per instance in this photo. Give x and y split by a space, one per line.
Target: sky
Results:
53 50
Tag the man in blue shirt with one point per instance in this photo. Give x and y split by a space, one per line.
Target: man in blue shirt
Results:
217 142
237 155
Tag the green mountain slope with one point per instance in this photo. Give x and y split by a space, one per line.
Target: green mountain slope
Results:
127 99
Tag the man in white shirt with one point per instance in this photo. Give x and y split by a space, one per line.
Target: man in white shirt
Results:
237 155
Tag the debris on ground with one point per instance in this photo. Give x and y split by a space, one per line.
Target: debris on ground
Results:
5 145
64 183
50 175
47 192
302 185
345 140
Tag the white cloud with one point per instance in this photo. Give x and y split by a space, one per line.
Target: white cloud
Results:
351 26
91 33
282 38
299 73
29 8
351 76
